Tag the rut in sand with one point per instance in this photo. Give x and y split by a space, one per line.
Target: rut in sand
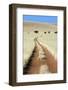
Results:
41 61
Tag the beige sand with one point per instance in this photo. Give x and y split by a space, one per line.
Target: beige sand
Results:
48 40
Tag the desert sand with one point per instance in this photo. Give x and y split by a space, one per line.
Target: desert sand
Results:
41 61
46 34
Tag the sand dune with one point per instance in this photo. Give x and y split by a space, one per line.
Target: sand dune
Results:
38 26
50 59
41 61
48 39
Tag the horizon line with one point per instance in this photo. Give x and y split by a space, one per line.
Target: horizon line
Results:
40 22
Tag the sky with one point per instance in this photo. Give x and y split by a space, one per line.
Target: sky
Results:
35 18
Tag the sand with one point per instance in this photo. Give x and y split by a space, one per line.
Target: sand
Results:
47 39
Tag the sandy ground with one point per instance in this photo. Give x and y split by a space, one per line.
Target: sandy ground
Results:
41 60
48 39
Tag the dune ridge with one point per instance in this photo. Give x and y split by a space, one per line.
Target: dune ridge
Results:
39 26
